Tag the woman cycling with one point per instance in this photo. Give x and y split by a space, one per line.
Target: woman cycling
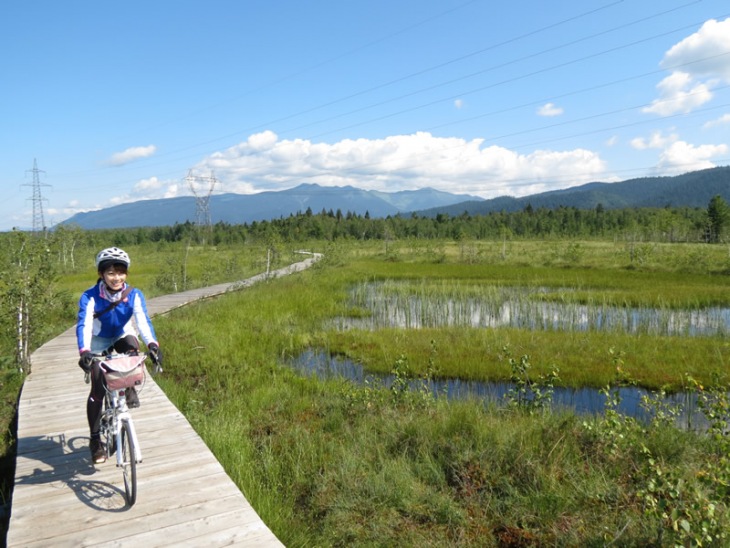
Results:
104 323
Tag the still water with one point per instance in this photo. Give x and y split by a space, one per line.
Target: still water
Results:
581 400
389 305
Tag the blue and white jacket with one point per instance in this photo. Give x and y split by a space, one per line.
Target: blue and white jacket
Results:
115 323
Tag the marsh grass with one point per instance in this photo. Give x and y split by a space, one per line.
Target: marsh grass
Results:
332 464
654 360
583 358
620 287
162 268
11 383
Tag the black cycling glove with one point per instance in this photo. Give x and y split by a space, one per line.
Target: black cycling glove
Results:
155 353
86 361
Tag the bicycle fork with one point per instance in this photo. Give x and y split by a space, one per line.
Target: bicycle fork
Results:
123 417
119 416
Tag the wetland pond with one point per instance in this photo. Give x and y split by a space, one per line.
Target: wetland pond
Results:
589 401
389 304
414 306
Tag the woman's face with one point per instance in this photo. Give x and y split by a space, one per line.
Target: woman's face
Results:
114 277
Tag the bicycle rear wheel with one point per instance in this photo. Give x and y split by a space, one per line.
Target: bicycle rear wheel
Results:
129 464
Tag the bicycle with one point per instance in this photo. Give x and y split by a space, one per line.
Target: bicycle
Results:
119 372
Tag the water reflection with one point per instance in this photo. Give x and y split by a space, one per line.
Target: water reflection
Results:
407 307
581 400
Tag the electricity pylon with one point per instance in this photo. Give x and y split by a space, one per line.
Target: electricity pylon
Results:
202 188
38 222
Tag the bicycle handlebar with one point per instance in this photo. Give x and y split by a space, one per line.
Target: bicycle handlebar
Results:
107 356
113 355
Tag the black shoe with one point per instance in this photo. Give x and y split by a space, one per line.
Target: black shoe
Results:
132 398
98 451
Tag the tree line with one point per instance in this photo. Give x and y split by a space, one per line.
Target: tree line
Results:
668 224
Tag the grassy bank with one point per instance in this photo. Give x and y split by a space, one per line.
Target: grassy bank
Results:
333 464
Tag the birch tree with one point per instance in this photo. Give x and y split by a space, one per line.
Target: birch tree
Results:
26 293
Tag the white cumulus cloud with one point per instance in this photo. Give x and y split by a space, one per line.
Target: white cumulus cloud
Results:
721 121
131 154
704 53
549 109
697 64
680 157
677 155
656 140
678 92
150 189
400 162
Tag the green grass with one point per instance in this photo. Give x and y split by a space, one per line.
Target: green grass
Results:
584 359
164 268
615 286
10 385
331 464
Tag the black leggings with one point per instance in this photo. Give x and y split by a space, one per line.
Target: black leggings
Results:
96 396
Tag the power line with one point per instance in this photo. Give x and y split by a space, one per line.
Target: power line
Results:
431 159
337 57
483 71
544 100
482 88
436 67
408 76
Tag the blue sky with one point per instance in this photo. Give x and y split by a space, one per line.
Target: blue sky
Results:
122 101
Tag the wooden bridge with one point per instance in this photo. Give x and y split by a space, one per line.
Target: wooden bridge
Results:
61 498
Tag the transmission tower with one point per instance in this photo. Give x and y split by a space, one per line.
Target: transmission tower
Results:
38 222
202 188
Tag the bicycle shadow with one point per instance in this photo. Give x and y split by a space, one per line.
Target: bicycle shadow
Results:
68 463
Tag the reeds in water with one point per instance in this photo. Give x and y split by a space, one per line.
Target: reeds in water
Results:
414 305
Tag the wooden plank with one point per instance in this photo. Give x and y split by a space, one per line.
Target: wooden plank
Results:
60 498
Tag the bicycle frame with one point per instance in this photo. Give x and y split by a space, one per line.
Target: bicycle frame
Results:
117 427
114 415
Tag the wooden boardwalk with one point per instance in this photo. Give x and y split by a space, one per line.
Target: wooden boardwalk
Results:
61 498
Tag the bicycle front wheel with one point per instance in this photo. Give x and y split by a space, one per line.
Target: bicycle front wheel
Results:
129 463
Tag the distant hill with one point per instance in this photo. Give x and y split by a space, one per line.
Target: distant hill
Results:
694 189
246 208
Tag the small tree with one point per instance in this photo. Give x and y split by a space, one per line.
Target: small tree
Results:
718 216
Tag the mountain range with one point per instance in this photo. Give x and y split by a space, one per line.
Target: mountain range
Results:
693 189
264 206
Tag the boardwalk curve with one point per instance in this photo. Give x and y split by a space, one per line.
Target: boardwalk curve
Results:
61 499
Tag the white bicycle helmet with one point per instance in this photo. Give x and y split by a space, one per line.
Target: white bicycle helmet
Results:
112 255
